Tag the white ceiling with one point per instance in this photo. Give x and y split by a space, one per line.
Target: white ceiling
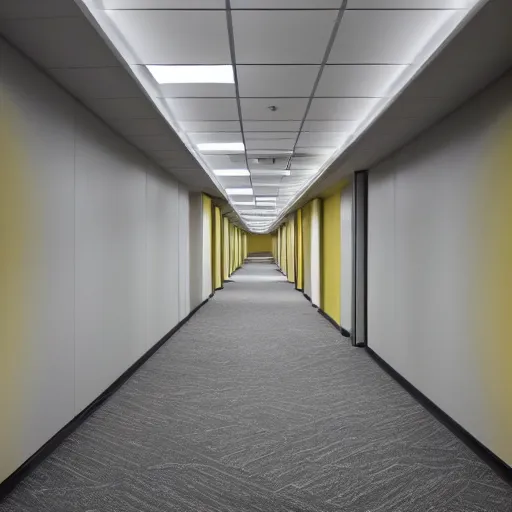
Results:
324 66
327 66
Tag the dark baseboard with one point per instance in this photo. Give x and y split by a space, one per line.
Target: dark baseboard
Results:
330 319
345 333
500 467
29 465
310 300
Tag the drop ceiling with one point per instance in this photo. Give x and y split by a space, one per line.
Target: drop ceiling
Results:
310 76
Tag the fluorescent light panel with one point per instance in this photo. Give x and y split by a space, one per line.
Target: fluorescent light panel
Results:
231 172
221 146
243 203
192 74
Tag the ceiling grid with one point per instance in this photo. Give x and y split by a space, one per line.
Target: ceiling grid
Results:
263 95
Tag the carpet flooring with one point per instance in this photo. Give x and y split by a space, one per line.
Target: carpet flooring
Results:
258 404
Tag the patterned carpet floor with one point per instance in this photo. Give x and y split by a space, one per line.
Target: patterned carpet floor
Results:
259 404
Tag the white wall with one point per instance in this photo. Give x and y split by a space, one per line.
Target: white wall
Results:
108 255
315 253
346 257
423 237
207 275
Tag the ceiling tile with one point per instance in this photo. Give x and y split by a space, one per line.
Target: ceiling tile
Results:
210 126
306 162
358 81
164 4
284 144
314 151
235 182
197 91
112 82
408 4
174 36
37 9
224 162
287 108
73 42
123 108
329 126
204 109
285 4
347 109
201 137
329 139
277 81
265 191
384 37
282 37
280 164
258 126
157 126
270 135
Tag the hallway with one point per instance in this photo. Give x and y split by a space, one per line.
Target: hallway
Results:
257 403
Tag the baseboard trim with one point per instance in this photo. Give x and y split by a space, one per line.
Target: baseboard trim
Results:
310 300
330 319
345 333
31 463
500 467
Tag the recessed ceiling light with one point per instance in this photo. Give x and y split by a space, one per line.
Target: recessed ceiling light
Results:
221 146
239 191
192 74
232 172
243 203
262 203
266 198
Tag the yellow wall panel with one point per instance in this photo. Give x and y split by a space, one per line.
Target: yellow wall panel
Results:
290 250
225 244
217 244
306 247
331 257
299 251
259 243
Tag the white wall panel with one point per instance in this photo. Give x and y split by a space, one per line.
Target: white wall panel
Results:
184 252
315 253
346 257
423 236
162 249
206 238
110 331
106 257
43 122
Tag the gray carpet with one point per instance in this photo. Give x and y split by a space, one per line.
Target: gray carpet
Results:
258 404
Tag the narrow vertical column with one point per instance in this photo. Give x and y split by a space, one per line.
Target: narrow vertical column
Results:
360 259
315 252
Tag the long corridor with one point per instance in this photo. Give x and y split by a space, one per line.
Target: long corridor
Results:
259 404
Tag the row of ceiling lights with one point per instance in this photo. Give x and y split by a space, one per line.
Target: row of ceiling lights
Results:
220 74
